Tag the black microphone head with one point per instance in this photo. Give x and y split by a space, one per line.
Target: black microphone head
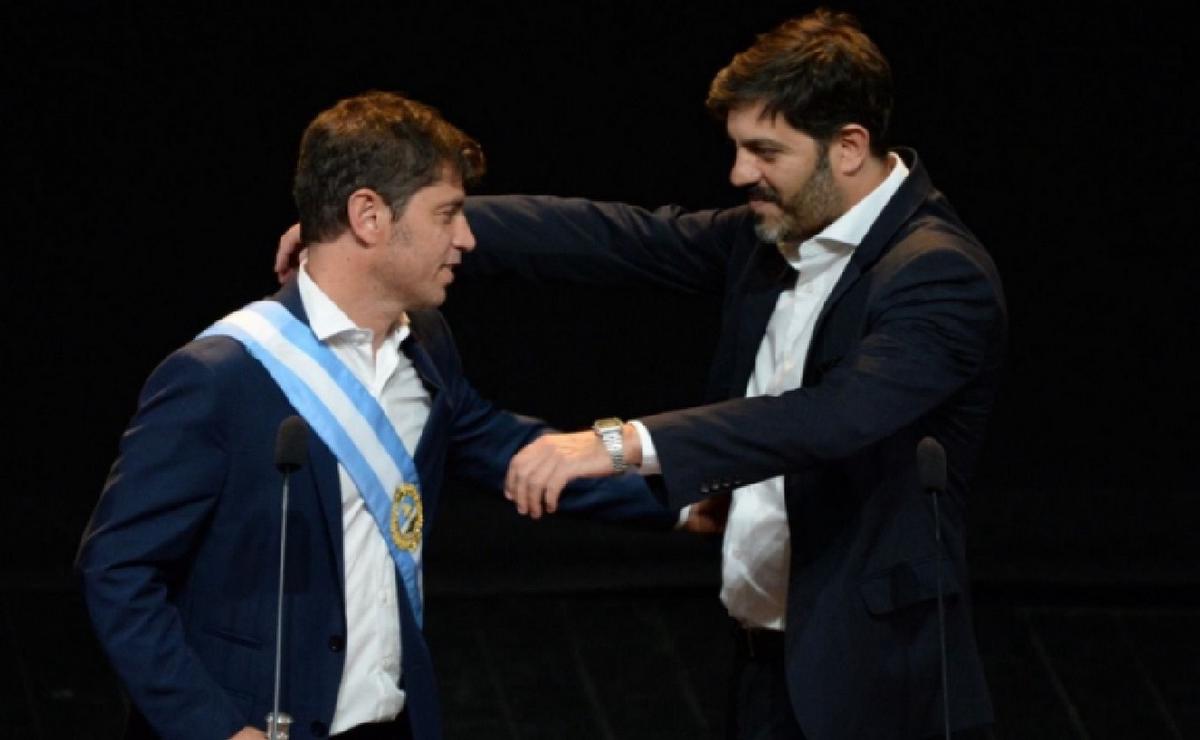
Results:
291 444
931 464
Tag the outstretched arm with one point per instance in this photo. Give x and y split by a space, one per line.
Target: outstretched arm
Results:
540 471
938 323
546 238
483 440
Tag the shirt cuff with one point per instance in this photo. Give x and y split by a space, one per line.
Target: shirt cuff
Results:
649 464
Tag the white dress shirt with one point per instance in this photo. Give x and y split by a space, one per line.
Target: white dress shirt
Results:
370 686
756 549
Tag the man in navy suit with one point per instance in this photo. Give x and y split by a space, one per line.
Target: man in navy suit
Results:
860 315
180 559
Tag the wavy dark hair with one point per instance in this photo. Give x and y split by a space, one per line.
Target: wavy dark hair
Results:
820 72
377 140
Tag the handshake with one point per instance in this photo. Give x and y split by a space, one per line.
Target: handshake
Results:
538 473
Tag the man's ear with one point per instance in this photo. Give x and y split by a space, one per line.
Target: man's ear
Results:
368 215
850 149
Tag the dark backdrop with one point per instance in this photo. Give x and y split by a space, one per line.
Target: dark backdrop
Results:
148 153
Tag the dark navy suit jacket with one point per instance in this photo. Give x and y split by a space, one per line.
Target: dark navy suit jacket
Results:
180 560
909 344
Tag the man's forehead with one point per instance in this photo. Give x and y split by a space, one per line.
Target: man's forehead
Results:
755 118
448 186
754 121
449 174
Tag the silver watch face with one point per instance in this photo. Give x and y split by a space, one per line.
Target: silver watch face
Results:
606 425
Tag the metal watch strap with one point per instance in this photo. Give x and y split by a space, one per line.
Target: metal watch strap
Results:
610 432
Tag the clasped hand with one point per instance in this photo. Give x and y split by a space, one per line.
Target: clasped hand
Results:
540 471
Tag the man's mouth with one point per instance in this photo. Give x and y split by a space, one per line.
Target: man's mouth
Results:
759 196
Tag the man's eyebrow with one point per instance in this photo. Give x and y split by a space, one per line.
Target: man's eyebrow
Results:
762 144
456 203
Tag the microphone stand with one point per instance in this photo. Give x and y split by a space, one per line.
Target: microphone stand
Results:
941 607
291 451
931 469
279 725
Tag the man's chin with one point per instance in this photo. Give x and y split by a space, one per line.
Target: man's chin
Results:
431 299
770 231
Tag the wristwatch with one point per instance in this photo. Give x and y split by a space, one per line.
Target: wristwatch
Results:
609 432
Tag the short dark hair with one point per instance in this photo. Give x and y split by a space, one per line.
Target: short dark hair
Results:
820 72
377 140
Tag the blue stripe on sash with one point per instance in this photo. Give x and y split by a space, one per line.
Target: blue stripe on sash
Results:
301 335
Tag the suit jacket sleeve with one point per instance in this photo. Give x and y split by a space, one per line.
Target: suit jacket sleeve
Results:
151 514
484 439
936 320
545 238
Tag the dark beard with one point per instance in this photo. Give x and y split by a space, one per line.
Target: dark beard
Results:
815 206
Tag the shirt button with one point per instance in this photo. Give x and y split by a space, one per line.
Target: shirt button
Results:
319 728
337 643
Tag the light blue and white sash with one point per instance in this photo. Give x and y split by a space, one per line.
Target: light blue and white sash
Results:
348 420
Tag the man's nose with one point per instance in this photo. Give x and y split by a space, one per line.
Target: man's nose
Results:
745 170
464 238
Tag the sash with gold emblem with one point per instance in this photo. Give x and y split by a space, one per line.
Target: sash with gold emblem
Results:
348 420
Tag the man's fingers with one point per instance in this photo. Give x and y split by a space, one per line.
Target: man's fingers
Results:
554 489
538 473
287 256
708 516
525 480
532 493
518 472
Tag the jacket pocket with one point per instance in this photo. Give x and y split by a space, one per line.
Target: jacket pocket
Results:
907 584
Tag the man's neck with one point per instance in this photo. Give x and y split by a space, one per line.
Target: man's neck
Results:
870 176
340 273
851 191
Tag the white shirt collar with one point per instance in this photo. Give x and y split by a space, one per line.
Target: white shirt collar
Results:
852 226
327 320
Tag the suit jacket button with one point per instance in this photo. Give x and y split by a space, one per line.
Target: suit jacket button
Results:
319 728
337 643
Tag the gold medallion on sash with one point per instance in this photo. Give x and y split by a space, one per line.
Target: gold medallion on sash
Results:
408 517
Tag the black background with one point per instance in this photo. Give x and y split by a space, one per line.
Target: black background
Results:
148 152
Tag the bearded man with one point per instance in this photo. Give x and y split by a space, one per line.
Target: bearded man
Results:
859 316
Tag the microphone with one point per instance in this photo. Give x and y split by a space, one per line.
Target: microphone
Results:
291 452
291 444
931 465
931 471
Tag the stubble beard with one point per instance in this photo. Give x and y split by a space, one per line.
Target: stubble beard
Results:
812 208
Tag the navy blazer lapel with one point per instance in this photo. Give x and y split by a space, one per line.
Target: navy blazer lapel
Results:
414 349
289 296
328 485
767 275
899 211
417 349
322 462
